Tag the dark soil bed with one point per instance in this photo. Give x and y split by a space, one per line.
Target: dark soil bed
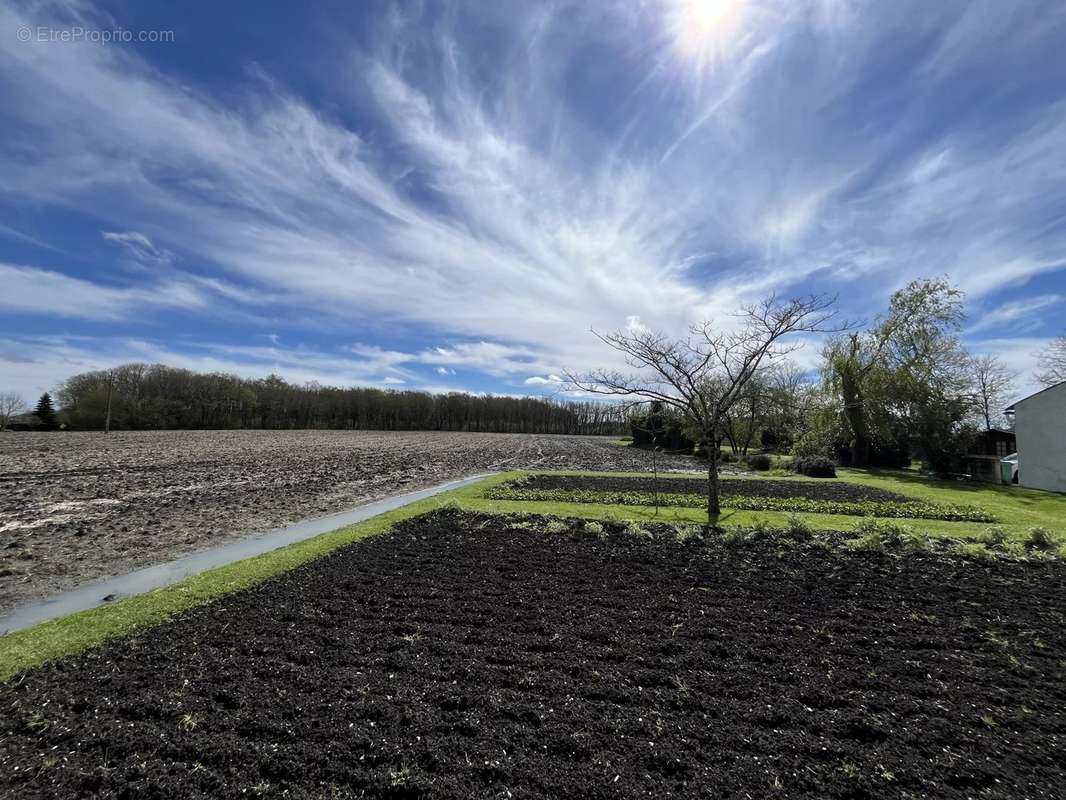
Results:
464 656
747 487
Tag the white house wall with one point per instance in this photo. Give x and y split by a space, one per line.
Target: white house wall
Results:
1040 426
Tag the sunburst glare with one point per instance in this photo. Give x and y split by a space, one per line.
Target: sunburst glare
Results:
702 31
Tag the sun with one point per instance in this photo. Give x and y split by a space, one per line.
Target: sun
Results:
704 30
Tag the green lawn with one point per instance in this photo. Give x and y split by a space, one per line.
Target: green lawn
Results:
1017 509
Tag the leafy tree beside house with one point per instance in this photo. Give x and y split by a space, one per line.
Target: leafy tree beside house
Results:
906 380
45 412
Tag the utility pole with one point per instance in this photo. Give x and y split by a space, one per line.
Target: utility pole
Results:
110 388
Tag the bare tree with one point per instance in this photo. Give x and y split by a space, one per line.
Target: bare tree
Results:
1051 363
11 404
772 408
704 375
992 380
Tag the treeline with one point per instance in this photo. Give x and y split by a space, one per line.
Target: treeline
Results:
154 396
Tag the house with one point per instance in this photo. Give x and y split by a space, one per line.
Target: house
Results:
1040 426
986 451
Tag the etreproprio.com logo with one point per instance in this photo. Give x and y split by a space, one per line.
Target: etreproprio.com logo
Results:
77 33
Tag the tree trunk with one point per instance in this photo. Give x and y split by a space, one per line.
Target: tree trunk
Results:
855 414
713 506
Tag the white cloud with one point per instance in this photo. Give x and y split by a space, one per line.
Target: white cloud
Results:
492 358
634 325
38 291
139 245
547 217
538 380
502 259
32 290
1015 316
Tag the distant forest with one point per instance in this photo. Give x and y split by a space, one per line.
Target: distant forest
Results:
154 396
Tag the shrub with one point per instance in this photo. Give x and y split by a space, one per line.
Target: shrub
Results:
760 462
685 533
879 536
595 528
734 536
761 529
891 532
660 427
1012 549
635 529
724 456
1040 539
815 466
556 526
798 529
973 550
995 537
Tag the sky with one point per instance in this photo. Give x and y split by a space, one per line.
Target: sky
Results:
452 195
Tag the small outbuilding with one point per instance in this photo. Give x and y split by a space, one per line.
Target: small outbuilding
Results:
994 442
986 451
1040 428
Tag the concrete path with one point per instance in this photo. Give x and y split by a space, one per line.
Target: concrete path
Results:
107 590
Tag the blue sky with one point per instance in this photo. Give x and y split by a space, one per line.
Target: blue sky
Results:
449 195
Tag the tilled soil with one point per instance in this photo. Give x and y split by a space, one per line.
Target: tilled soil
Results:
748 487
77 506
466 656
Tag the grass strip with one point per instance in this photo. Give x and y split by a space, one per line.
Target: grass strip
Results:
867 508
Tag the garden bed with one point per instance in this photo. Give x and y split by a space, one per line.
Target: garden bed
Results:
468 655
812 497
747 487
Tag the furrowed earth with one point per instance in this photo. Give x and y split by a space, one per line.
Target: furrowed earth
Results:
78 506
464 655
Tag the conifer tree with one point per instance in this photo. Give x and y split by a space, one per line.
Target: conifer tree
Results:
45 412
